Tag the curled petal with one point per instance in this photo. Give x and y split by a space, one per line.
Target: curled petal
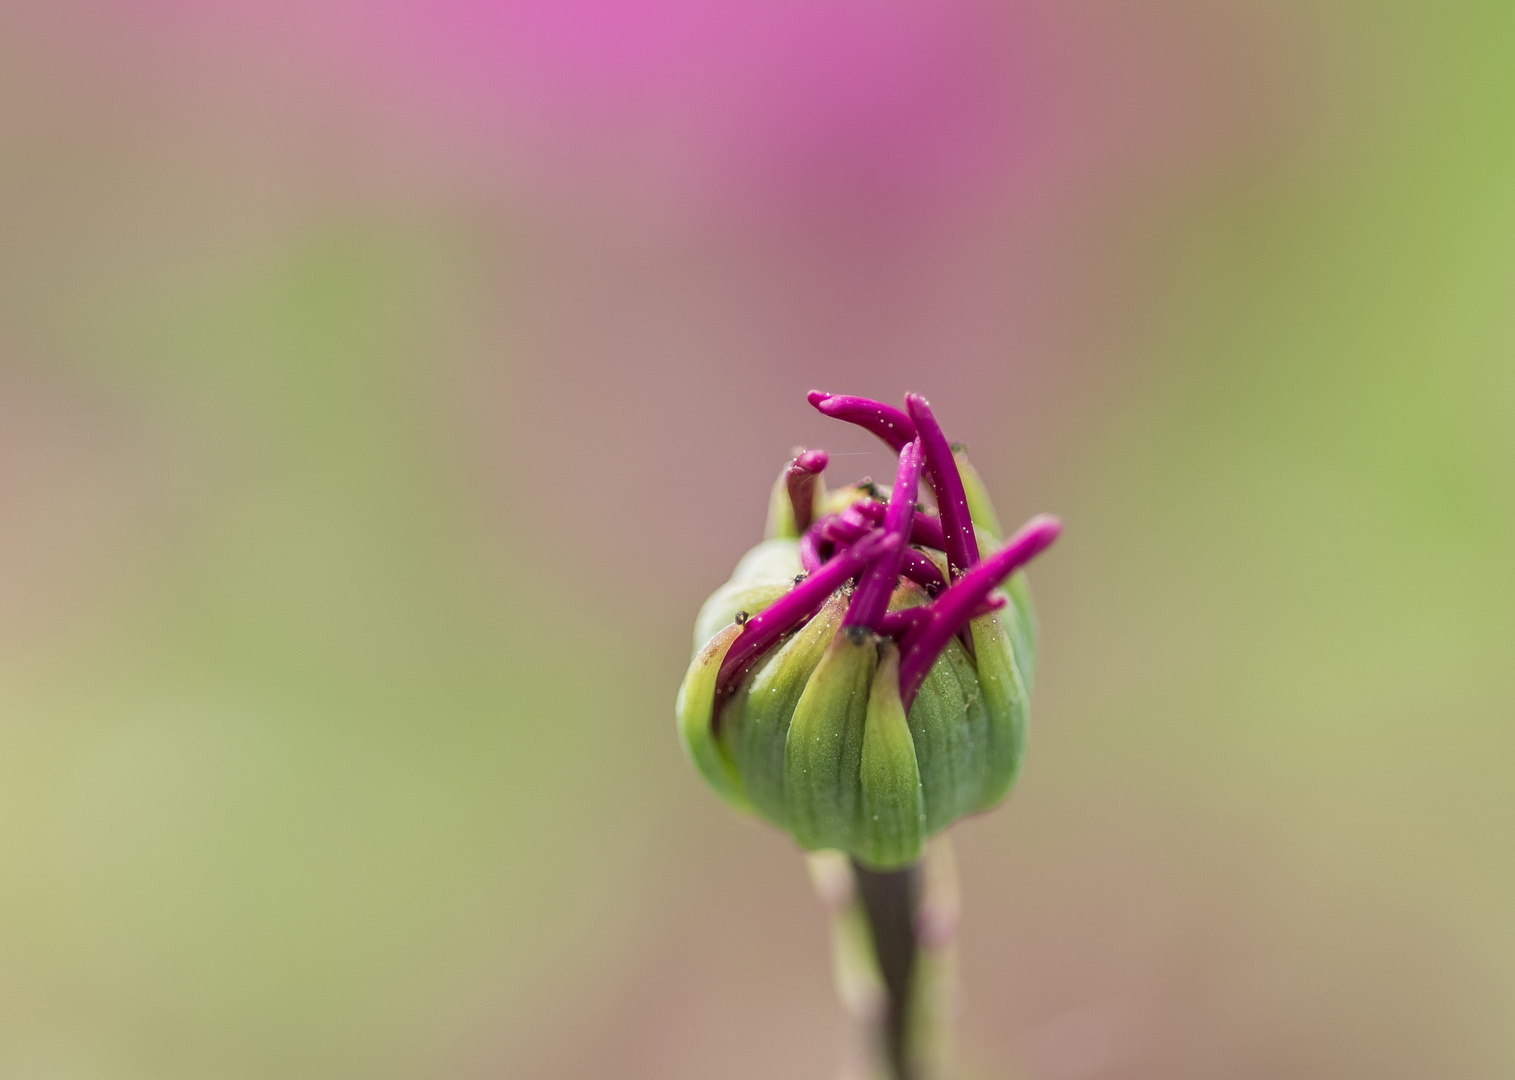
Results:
885 421
800 480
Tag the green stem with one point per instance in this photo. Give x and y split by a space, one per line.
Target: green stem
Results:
891 901
894 955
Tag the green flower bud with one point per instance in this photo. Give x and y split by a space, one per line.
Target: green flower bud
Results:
862 681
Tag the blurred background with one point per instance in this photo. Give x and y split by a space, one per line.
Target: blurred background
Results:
384 384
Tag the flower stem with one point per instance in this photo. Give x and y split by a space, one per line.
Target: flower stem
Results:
891 900
896 976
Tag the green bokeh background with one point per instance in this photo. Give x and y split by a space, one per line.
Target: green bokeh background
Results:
324 753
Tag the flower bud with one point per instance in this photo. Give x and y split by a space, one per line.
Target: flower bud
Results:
862 680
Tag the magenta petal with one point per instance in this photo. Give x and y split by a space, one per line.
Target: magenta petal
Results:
921 570
800 479
961 545
839 530
847 527
810 548
872 597
897 623
812 461
926 531
953 609
854 518
885 421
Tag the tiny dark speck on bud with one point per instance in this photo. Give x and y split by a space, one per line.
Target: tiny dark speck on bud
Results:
958 447
741 618
799 578
857 634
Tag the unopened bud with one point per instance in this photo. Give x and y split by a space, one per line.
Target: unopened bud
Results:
862 681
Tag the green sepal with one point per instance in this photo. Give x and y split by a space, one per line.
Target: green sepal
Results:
731 598
824 750
1020 622
1006 703
755 721
907 594
764 574
694 709
980 508
950 725
770 560
892 825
